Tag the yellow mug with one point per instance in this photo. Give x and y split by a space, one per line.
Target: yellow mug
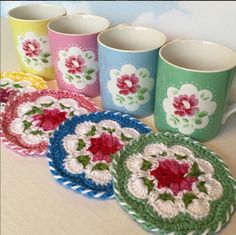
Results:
29 28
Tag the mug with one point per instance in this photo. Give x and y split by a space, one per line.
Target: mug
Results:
193 82
29 28
73 41
128 64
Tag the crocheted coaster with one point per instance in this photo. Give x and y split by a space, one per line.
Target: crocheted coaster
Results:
171 184
80 151
12 83
30 119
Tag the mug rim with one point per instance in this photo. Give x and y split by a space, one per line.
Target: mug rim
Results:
198 41
35 5
134 27
76 15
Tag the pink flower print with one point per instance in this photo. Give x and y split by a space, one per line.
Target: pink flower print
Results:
31 48
185 105
128 84
75 64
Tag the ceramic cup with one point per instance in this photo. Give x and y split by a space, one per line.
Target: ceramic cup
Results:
29 28
128 64
74 50
193 82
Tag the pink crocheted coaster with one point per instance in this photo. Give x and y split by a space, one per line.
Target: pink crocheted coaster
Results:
30 119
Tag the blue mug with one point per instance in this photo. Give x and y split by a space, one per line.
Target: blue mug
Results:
128 67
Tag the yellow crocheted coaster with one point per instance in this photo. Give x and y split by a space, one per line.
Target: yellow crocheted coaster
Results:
37 82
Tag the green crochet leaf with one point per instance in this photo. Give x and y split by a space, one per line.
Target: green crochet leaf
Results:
34 110
81 145
17 86
148 183
188 198
100 166
166 197
84 160
195 171
27 125
64 106
180 157
91 132
71 114
46 105
3 85
146 165
125 138
201 187
110 130
37 132
164 153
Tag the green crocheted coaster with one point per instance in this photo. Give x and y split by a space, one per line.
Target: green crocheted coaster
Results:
171 184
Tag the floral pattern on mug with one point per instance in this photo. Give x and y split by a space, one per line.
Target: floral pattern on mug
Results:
130 87
34 51
188 108
78 67
89 150
173 181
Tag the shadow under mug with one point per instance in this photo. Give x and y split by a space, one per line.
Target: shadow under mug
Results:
73 42
128 64
29 29
193 83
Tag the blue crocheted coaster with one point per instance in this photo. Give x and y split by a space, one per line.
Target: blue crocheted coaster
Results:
80 150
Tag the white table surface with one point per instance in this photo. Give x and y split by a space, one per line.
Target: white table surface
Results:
32 203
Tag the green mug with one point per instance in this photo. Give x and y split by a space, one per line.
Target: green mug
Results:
192 88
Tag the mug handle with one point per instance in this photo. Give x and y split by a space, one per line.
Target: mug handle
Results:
229 110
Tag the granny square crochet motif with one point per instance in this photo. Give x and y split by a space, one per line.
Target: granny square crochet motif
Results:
30 119
171 184
80 151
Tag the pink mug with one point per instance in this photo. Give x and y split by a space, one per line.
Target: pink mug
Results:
73 41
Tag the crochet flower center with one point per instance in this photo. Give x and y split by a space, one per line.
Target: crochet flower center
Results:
103 146
173 175
49 119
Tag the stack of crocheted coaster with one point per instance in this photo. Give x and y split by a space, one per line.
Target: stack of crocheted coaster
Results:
30 119
171 184
80 151
12 83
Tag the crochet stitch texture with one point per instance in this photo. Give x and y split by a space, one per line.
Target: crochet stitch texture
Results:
80 151
30 119
15 83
